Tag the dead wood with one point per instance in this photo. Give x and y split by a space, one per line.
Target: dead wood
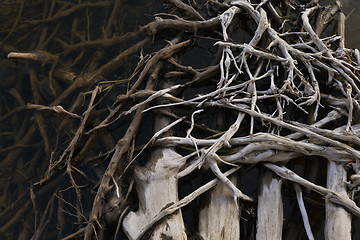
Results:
135 120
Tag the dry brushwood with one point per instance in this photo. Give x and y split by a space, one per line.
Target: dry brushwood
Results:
222 93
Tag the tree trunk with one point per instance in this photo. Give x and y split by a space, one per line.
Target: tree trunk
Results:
157 188
337 219
270 208
219 218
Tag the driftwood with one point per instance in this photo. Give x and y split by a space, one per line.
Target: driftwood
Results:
199 137
338 220
221 211
270 216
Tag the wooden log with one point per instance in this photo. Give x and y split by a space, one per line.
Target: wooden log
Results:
337 219
220 218
156 187
270 208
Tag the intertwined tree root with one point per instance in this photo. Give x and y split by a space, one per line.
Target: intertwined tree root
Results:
231 85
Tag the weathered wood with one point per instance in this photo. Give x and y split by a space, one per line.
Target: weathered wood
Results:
259 102
156 188
219 218
337 219
270 208
330 195
304 214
